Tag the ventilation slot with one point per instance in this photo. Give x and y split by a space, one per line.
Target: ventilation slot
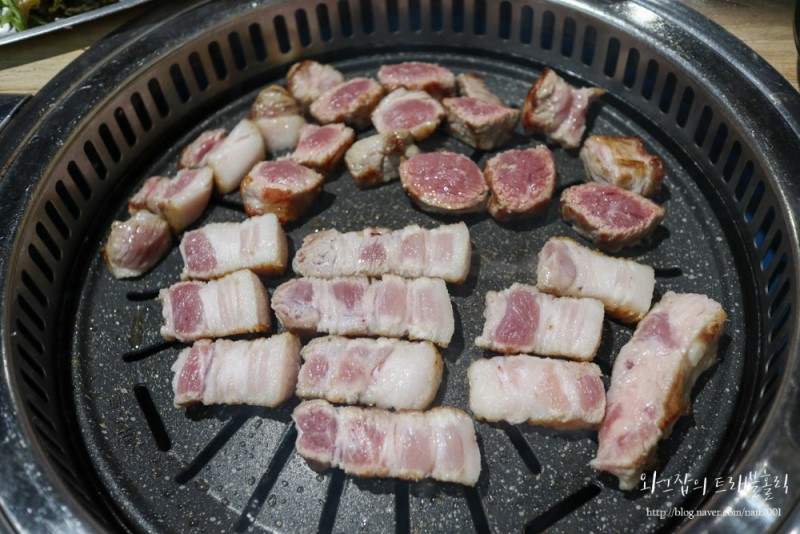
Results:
32 340
45 426
79 180
526 25
39 261
303 29
124 126
57 220
631 68
211 449
548 30
200 76
612 57
345 18
108 141
34 317
504 24
568 37
764 228
33 288
414 15
458 16
769 254
780 296
476 510
48 241
392 16
237 50
702 126
667 93
777 274
327 518
718 143
217 61
179 81
589 47
32 383
67 199
324 22
733 160
650 79
437 16
31 362
755 202
685 107
479 22
744 181
94 158
282 34
158 95
780 322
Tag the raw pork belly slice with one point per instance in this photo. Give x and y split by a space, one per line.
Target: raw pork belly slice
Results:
472 85
351 102
307 80
411 252
196 153
368 442
558 109
274 101
611 217
387 373
434 79
261 372
233 157
624 162
652 380
522 183
541 391
217 249
521 319
625 287
322 147
234 304
136 245
284 188
444 182
480 124
376 159
419 309
415 111
180 200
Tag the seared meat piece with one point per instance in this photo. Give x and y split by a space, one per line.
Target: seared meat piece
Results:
419 309
284 188
434 79
521 319
307 80
180 200
235 304
368 442
540 391
235 155
136 245
196 153
322 147
558 109
350 102
522 183
376 159
415 111
274 101
609 216
442 252
281 133
217 249
624 162
625 287
387 373
473 86
261 372
444 182
652 379
480 124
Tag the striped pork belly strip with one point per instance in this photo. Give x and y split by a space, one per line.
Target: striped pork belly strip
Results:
652 379
258 244
521 319
419 309
369 442
235 304
387 373
541 391
261 372
625 287
442 252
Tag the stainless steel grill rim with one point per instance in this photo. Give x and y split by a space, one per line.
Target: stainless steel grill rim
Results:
108 120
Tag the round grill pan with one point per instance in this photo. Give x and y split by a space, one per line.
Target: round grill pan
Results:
90 438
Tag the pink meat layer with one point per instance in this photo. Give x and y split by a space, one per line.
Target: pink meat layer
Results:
522 183
444 182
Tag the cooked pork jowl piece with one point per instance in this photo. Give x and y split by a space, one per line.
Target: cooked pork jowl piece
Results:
384 372
376 159
610 217
652 380
307 80
135 246
434 79
350 102
415 111
368 442
283 187
180 200
442 252
480 124
419 309
234 304
522 183
624 286
474 86
520 319
259 372
321 148
540 391
624 162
